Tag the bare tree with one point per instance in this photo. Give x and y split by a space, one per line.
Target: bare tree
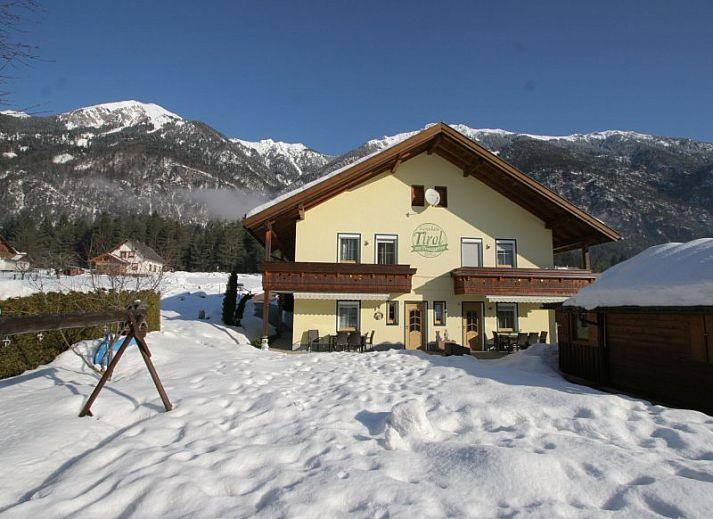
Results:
14 49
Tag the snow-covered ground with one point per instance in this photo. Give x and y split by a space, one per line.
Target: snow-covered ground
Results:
396 433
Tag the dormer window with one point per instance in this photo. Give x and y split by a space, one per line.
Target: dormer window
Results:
418 196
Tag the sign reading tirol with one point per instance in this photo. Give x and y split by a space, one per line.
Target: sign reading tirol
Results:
429 240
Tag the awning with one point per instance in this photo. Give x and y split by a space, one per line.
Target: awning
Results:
342 296
526 299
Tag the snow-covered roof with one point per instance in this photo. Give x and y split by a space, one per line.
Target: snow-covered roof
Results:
672 274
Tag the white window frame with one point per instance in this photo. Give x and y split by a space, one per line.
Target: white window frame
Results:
479 241
514 252
395 305
349 236
516 316
445 313
386 238
349 304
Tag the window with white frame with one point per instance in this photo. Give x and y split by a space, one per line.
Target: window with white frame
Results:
471 252
506 253
347 316
349 248
439 313
392 313
386 249
507 316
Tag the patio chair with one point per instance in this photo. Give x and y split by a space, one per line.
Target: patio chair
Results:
312 339
543 337
496 341
492 343
342 341
354 341
368 341
521 342
532 338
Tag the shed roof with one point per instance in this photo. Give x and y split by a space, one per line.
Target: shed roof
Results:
668 275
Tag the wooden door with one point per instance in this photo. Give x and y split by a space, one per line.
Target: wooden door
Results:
415 325
473 325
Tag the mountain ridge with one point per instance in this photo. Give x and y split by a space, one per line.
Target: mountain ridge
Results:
128 156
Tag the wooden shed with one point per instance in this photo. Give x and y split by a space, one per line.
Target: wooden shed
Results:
646 327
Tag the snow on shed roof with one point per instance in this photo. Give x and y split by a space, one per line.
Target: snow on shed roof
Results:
671 274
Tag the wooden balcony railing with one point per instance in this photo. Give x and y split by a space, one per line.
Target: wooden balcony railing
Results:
516 281
336 277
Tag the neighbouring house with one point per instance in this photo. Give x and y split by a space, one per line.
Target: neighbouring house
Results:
432 237
11 259
646 326
130 257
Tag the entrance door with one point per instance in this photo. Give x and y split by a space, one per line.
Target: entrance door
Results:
473 325
415 324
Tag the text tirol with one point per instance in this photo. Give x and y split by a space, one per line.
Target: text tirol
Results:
429 240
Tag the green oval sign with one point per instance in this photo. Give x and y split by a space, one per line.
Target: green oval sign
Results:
429 240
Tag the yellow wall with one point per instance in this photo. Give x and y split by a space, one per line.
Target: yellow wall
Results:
382 205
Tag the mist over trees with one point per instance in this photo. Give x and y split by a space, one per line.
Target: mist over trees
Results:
217 245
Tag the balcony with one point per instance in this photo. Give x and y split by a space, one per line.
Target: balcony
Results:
284 276
484 281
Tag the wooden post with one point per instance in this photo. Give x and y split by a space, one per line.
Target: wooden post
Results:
265 320
86 410
146 354
586 258
268 242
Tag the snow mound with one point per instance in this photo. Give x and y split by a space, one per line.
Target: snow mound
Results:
407 423
62 158
672 274
119 115
9 154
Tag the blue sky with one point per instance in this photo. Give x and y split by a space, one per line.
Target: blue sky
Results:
334 74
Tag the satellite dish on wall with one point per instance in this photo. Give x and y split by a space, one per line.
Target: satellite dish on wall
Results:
432 197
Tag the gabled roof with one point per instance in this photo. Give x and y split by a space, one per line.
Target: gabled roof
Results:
15 255
571 226
146 251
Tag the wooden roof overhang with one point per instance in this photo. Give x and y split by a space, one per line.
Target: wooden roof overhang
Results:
571 226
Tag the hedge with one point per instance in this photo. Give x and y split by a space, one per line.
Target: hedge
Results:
28 352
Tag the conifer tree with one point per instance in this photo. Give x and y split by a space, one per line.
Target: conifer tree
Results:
230 299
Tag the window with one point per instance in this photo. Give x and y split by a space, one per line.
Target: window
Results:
392 313
123 254
506 252
418 198
349 248
471 252
443 194
507 316
386 249
347 316
439 313
580 326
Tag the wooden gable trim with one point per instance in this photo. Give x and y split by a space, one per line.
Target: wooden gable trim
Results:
475 160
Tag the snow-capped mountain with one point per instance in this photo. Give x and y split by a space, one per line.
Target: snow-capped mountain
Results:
288 160
129 157
119 115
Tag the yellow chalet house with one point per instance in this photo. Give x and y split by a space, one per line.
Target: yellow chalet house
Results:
432 238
